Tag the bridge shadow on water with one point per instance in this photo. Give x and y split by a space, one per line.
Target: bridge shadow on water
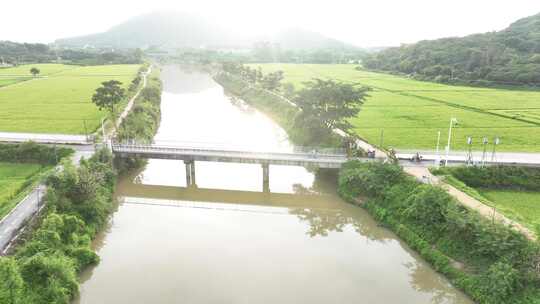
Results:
318 206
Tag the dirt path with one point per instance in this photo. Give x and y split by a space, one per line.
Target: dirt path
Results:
423 174
131 102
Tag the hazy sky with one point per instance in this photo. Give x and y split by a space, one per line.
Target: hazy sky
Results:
364 23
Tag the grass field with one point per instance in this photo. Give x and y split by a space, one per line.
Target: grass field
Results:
5 81
409 113
59 101
13 178
521 206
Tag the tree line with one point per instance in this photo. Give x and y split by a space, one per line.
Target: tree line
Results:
322 105
13 53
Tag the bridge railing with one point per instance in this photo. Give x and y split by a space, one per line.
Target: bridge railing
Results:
295 151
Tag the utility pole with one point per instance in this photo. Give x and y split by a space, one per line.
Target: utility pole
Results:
484 142
469 153
438 158
85 130
103 129
453 121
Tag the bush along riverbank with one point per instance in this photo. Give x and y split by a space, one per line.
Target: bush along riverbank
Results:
310 125
142 123
45 266
491 262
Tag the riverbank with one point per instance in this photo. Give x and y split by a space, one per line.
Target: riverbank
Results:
274 106
142 123
44 266
491 262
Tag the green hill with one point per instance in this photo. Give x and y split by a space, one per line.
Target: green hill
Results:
510 56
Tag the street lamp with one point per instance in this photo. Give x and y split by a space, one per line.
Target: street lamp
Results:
496 141
453 122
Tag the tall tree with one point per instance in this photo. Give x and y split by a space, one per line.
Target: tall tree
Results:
272 81
330 104
34 71
108 95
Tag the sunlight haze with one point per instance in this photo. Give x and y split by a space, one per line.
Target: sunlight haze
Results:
362 23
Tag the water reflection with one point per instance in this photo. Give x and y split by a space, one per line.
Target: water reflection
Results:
439 289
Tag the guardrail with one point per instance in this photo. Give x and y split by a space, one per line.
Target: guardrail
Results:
296 151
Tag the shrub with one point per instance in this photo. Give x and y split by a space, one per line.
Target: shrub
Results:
427 206
500 282
30 152
498 177
369 179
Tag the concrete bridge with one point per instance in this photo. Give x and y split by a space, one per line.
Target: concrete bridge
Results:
189 153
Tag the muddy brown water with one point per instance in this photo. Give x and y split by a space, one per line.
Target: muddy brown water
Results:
227 242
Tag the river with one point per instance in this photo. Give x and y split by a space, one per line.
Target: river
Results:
228 242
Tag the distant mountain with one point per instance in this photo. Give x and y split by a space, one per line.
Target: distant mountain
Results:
176 30
510 56
300 39
162 29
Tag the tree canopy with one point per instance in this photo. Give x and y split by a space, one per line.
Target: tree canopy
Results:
108 95
34 71
510 56
330 103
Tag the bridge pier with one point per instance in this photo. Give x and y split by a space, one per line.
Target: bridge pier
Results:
266 177
190 173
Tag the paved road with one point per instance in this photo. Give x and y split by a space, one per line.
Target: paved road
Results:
532 159
11 223
44 138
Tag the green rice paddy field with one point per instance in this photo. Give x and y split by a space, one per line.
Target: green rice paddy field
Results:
410 113
59 100
521 206
13 179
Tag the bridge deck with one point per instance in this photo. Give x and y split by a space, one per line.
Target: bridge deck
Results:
322 160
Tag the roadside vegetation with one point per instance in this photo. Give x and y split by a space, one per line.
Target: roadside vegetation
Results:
404 113
59 100
513 191
21 167
491 262
45 266
14 180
